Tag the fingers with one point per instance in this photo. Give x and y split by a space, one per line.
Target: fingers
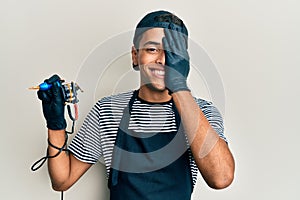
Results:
56 90
53 79
166 40
44 95
175 42
54 93
169 41
179 40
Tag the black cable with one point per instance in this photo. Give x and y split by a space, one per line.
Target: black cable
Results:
73 119
59 149
39 163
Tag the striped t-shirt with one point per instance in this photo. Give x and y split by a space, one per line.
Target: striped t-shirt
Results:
97 135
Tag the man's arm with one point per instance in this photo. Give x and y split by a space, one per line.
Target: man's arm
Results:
211 153
65 169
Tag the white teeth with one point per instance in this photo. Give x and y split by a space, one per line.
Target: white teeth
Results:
159 72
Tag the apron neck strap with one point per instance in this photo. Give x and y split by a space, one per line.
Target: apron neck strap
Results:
132 99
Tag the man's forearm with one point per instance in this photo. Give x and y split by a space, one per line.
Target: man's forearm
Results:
59 166
210 152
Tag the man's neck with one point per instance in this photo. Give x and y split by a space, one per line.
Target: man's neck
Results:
153 96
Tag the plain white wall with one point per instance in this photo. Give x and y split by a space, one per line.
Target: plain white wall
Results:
253 44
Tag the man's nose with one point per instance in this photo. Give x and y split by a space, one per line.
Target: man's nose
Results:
161 57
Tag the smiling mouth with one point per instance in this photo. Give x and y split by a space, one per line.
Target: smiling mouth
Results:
158 73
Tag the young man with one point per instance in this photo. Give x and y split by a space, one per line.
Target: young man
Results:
154 139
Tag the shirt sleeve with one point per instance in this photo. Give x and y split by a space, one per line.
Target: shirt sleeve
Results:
213 116
85 146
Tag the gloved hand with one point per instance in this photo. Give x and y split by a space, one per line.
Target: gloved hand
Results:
53 104
177 65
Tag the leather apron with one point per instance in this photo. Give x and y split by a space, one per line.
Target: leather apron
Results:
136 174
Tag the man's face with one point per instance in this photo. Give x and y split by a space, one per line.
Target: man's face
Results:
151 59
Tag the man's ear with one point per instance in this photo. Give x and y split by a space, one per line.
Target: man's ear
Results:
134 57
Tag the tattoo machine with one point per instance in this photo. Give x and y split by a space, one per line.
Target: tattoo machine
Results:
69 91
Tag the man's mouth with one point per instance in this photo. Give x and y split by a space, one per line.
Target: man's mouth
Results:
158 73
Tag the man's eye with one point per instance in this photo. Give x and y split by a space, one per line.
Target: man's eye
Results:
152 50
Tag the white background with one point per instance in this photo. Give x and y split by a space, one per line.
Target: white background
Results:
254 45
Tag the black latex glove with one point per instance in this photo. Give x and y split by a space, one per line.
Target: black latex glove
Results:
53 104
177 64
